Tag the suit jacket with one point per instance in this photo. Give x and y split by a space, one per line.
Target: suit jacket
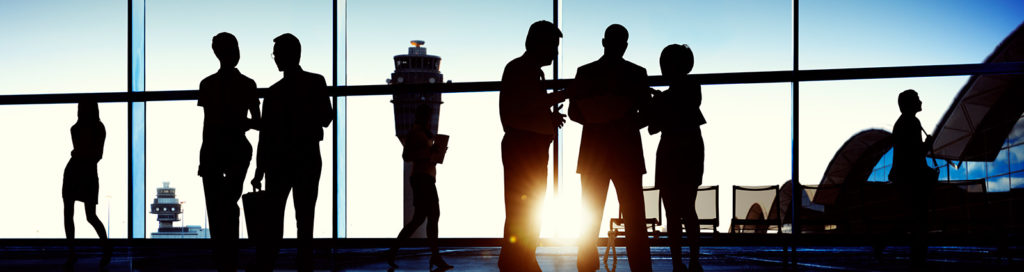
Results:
608 94
908 151
295 112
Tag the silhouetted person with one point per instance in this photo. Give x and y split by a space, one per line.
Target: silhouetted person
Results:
295 111
81 182
226 97
608 94
910 173
419 149
530 123
680 166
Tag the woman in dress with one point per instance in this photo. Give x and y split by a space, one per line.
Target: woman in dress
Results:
680 159
81 182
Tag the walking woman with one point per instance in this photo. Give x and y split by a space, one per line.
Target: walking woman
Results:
419 149
81 182
680 166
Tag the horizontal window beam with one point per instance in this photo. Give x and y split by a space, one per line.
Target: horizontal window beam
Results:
486 86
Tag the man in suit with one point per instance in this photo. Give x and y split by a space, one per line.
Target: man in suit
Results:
910 172
530 124
295 111
607 97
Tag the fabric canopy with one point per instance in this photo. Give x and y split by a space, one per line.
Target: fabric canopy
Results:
852 163
985 110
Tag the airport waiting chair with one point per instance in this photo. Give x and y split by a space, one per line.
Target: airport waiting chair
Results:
755 209
652 215
707 207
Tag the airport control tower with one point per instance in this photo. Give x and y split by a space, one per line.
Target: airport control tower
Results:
167 209
415 68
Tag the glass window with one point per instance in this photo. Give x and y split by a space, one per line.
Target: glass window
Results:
63 47
1017 180
174 137
756 129
1017 134
747 35
378 31
944 173
975 170
179 35
884 33
1001 165
35 156
1016 158
832 112
998 184
179 56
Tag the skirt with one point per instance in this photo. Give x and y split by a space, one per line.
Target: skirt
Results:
80 182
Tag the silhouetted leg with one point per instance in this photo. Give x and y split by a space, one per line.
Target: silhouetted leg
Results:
213 191
524 160
594 194
919 225
212 188
432 219
631 201
417 219
97 225
231 191
522 230
69 219
90 215
306 189
689 198
673 213
279 186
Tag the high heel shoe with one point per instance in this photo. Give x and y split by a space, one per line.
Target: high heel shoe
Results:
390 256
436 260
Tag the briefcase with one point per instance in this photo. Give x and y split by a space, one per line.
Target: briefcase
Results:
258 212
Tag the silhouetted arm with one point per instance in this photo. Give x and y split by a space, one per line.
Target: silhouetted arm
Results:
101 138
642 94
254 107
263 145
325 112
575 113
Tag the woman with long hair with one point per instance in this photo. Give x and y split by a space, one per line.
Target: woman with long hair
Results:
81 182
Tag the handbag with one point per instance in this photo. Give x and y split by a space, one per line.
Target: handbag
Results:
257 205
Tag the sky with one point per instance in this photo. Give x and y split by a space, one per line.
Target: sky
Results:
80 46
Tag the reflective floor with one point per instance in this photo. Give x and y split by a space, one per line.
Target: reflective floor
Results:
550 259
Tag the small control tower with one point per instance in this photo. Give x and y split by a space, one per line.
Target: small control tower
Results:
415 68
167 209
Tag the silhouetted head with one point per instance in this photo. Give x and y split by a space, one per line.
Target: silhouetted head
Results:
676 61
88 111
225 47
614 41
286 52
909 102
542 42
423 114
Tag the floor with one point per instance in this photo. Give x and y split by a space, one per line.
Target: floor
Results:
36 258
